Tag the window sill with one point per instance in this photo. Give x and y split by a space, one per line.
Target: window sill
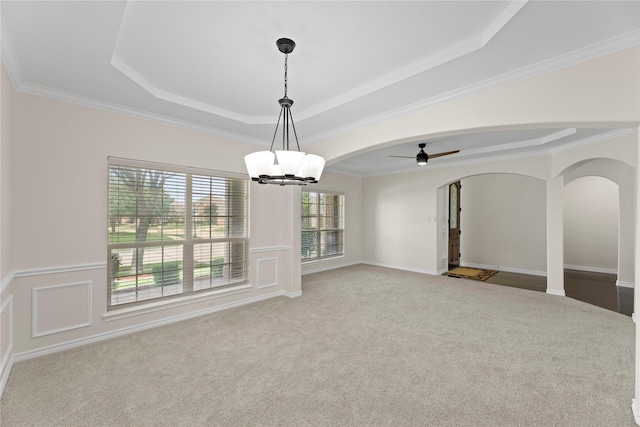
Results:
151 307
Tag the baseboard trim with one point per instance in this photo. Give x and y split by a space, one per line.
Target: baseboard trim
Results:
292 294
6 371
55 348
591 269
328 266
622 284
634 409
556 293
6 359
505 269
141 310
395 267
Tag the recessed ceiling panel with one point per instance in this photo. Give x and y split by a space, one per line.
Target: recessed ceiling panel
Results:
222 55
214 66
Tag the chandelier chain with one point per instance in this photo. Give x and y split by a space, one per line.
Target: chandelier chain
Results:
286 57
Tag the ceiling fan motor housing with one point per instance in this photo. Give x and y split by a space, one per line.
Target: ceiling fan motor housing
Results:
422 158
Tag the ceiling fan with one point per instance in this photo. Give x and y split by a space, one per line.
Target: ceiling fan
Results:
422 158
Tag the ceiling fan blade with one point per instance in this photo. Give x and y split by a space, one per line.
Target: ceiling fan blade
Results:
405 157
433 156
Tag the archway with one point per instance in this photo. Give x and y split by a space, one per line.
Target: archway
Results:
616 171
591 227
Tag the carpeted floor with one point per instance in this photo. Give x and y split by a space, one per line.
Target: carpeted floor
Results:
363 346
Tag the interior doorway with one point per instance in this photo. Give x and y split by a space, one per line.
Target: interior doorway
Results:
454 224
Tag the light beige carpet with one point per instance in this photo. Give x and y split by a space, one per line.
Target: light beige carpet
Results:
363 346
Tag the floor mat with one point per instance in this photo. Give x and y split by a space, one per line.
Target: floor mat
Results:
471 273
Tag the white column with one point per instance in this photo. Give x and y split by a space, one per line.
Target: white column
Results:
293 283
555 237
626 235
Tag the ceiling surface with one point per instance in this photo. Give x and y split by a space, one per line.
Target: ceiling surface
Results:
214 66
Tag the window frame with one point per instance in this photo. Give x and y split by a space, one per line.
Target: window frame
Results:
236 264
319 230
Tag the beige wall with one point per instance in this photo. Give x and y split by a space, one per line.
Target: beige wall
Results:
503 211
6 144
405 225
504 222
406 222
59 206
6 296
591 211
602 92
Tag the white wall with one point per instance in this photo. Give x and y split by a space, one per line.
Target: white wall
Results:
503 223
602 92
398 224
352 188
405 220
591 211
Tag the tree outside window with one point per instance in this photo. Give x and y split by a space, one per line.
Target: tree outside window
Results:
158 248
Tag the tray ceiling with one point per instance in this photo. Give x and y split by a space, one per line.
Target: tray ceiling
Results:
214 66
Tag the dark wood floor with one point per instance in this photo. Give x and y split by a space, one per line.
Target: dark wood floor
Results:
594 288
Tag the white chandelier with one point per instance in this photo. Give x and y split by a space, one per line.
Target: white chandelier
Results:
292 167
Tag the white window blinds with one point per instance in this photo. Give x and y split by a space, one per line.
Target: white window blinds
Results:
322 225
172 231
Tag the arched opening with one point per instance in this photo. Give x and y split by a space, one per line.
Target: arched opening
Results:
504 228
503 225
591 211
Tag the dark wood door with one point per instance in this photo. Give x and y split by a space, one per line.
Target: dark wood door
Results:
454 224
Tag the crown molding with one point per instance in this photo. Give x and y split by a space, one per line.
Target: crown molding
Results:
613 45
471 44
463 48
174 98
58 95
606 47
591 139
520 144
7 53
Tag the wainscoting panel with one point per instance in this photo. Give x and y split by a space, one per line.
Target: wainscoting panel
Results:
266 272
60 308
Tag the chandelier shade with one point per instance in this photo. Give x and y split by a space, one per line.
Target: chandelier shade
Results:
285 167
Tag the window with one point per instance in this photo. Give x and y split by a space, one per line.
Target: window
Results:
322 225
173 232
